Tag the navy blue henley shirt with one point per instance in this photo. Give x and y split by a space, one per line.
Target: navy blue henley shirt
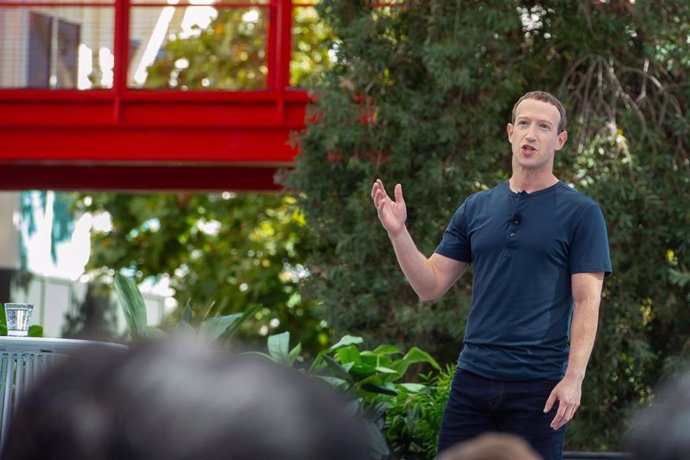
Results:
523 248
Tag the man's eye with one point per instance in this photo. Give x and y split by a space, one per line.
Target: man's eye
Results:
544 127
522 123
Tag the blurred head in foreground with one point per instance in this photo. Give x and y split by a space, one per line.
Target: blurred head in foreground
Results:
491 446
179 400
662 430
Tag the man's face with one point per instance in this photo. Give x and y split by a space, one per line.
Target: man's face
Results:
534 137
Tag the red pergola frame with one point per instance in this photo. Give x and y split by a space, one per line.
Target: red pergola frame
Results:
131 139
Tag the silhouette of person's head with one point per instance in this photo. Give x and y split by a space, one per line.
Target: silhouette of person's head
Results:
491 446
662 430
180 400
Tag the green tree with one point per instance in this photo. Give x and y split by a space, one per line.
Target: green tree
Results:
221 253
421 93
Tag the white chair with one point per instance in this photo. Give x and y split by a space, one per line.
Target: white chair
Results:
23 360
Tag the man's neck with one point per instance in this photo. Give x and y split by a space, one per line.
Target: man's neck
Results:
530 183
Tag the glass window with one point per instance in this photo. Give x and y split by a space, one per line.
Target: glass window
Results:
56 47
199 47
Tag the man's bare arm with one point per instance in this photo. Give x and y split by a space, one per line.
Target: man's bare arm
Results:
586 289
430 277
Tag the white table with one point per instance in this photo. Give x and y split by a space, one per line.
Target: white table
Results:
23 360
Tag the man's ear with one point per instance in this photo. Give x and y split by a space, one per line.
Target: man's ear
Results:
509 130
562 138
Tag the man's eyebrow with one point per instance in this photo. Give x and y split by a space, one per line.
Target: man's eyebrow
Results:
525 117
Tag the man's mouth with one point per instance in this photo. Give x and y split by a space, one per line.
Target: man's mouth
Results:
528 148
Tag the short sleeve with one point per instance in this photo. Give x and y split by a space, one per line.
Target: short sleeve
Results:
455 243
589 251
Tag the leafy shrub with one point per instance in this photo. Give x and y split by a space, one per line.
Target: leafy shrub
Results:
413 418
374 378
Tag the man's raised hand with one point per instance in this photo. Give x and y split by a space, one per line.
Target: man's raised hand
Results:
392 214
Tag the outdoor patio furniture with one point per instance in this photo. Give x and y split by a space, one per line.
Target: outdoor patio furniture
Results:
23 360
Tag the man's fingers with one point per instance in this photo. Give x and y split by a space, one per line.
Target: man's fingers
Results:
563 416
380 205
398 194
382 188
378 193
571 412
550 401
380 199
559 419
374 188
379 187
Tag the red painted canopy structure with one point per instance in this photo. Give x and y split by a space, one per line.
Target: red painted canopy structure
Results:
57 135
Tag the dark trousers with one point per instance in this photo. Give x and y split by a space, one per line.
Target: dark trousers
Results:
478 405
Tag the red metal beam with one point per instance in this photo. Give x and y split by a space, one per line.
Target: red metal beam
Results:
137 109
94 145
137 177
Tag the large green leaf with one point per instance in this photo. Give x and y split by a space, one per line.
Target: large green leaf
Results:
35 330
348 354
362 370
377 411
132 304
334 381
386 370
246 314
279 348
386 350
413 387
216 326
339 370
187 312
415 355
294 354
376 439
346 341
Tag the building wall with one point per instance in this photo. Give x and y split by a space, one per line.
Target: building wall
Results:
9 237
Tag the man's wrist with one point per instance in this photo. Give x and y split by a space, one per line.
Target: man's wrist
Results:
394 236
575 375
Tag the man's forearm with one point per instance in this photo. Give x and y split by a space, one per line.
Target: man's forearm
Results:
415 266
582 335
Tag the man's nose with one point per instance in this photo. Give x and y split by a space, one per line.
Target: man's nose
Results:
531 132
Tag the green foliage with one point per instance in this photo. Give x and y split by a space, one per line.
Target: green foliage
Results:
373 378
231 52
370 372
222 254
376 377
279 350
413 418
420 95
132 304
310 47
134 309
228 54
408 414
